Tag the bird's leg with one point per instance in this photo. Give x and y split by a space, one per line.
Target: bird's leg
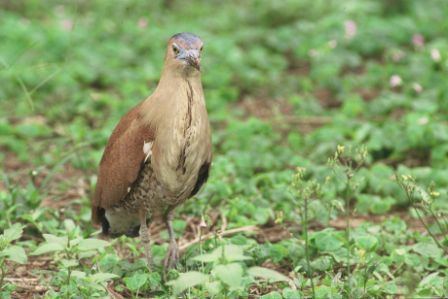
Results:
172 255
145 236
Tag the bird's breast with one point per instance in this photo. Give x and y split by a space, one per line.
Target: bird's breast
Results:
180 152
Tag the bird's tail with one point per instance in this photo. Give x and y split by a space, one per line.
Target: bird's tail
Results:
116 223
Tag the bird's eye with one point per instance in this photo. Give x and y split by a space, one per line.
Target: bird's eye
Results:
176 49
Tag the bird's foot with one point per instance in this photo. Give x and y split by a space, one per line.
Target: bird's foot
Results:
172 256
149 261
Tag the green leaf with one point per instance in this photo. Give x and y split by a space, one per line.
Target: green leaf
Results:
326 241
75 241
322 263
15 253
390 288
291 294
234 253
92 244
69 225
78 274
323 292
230 253
431 280
214 287
268 274
102 277
13 233
47 247
272 295
69 263
136 281
187 280
382 205
230 274
428 249
367 242
214 256
87 254
154 279
57 240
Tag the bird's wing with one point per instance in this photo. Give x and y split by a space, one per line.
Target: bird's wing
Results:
121 161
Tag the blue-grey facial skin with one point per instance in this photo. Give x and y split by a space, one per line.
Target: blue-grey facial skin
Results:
187 47
191 56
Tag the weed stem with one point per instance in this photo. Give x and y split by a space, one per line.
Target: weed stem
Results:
3 273
305 236
347 229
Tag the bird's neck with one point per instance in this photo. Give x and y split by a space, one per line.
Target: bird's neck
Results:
175 95
180 88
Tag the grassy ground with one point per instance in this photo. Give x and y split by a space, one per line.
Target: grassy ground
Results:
330 133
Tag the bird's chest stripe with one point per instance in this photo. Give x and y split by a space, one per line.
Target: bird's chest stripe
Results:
182 158
188 115
187 130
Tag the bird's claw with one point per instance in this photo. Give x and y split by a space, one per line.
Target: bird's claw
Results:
149 263
172 256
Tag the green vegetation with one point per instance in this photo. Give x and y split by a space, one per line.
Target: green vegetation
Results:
330 171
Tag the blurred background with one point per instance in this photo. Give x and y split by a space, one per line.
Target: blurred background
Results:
286 83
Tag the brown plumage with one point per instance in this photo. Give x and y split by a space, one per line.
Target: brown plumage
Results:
159 153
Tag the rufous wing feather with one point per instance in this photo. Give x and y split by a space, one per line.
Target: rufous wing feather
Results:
121 161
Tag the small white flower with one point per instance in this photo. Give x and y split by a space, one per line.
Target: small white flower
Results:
397 55
423 120
350 29
67 25
418 40
332 44
435 55
313 53
142 23
417 87
395 81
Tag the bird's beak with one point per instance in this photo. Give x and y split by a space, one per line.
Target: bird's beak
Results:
194 60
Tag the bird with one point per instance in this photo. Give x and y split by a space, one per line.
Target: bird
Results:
159 154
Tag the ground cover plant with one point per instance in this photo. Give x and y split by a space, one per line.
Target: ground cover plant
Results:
330 138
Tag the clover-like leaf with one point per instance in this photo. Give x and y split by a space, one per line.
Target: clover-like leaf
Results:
230 274
15 253
136 281
13 233
48 247
187 280
268 274
230 253
102 277
92 244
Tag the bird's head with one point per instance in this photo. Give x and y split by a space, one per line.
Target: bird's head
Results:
184 52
